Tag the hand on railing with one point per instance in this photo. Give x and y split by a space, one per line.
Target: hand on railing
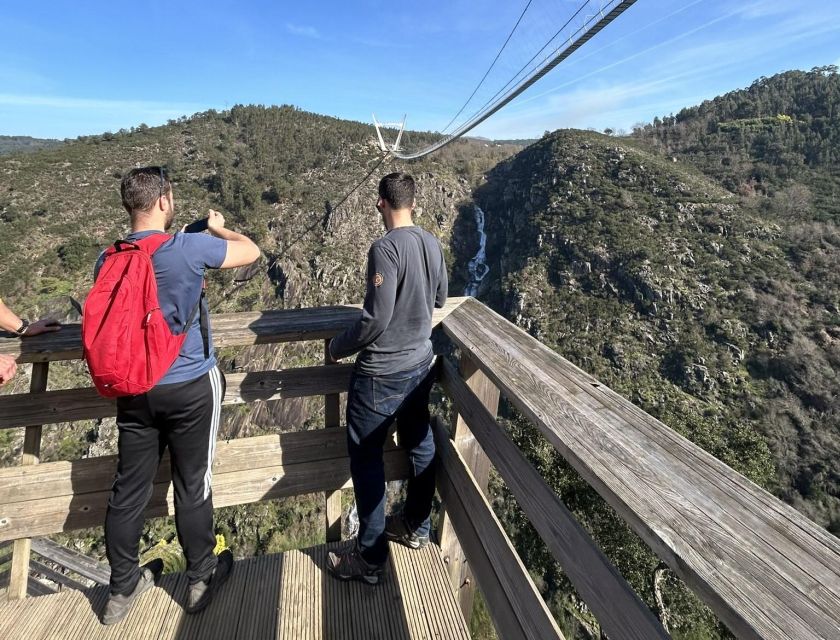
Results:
44 325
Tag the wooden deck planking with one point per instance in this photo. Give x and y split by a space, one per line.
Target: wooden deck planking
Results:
278 597
261 597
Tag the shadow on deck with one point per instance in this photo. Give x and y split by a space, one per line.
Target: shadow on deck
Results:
282 596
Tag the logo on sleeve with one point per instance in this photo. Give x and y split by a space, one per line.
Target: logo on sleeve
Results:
378 280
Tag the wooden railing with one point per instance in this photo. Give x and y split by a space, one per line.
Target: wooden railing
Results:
62 496
763 568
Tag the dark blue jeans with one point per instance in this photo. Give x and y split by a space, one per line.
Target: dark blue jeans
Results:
374 403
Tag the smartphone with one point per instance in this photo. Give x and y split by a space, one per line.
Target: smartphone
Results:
196 227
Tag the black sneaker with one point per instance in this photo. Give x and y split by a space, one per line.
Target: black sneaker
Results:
397 530
201 593
350 565
118 605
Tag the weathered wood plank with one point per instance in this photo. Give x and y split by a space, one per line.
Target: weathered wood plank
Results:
76 562
460 574
62 496
766 571
332 418
618 609
55 576
517 609
259 615
20 484
19 572
66 405
229 330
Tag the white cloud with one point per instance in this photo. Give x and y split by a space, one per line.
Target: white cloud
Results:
614 106
304 31
62 102
765 8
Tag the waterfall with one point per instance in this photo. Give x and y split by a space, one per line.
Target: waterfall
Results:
477 267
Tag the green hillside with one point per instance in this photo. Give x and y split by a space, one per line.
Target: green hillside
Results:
15 144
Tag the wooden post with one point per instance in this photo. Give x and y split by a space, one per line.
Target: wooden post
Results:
19 575
332 419
463 582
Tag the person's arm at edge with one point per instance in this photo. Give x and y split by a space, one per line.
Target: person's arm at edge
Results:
9 321
377 309
241 250
443 284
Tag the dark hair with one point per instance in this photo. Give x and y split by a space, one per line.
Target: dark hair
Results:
142 186
398 190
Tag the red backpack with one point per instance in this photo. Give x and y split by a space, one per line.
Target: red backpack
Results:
126 341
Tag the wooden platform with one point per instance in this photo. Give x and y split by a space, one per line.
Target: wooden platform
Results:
285 596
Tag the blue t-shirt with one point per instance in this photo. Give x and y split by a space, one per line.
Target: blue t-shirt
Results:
179 270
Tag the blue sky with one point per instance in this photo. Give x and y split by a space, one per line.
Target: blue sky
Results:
77 68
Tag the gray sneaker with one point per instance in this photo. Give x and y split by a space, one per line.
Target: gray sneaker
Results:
118 605
201 593
397 530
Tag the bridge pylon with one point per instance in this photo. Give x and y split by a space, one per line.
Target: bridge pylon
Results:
392 125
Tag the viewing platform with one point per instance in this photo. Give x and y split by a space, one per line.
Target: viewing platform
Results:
764 569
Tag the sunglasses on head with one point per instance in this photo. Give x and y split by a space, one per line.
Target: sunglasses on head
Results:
162 170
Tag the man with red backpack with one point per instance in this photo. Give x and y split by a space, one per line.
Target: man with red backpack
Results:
147 342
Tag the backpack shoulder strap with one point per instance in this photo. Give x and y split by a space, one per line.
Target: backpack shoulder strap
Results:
150 244
200 309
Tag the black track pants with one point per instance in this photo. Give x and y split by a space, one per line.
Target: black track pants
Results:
183 417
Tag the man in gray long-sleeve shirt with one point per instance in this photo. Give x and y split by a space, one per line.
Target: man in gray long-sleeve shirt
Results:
392 379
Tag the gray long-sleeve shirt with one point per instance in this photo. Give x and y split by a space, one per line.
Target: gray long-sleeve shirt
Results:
406 280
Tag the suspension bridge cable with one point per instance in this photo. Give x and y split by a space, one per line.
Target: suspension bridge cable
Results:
330 210
490 68
534 57
559 55
361 182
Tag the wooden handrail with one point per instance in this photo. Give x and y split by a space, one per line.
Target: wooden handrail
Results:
229 330
235 329
619 611
66 405
766 570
